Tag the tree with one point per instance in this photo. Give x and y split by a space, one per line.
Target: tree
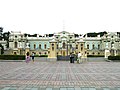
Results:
1 31
6 37
2 49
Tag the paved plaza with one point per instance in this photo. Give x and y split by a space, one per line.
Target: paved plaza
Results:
60 75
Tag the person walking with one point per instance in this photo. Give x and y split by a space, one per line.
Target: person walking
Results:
71 58
79 58
33 55
27 58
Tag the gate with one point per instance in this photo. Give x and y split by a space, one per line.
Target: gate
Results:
64 58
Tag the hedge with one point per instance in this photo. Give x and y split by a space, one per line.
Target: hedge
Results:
95 55
12 57
114 58
40 56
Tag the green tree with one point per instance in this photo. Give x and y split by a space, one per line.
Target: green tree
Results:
2 49
6 37
1 31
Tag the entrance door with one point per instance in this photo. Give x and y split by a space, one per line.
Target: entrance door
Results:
63 53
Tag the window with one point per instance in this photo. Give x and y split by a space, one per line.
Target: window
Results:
93 46
87 46
93 53
76 46
15 53
48 52
70 46
57 46
52 47
63 45
15 45
45 46
81 48
15 36
81 45
39 53
45 53
39 46
98 46
88 53
34 46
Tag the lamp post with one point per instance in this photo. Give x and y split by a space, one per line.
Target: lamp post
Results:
0 50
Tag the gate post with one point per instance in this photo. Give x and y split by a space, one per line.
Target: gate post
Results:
52 52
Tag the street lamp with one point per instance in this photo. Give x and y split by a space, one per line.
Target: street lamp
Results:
0 50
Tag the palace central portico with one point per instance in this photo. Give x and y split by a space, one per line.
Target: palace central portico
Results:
63 43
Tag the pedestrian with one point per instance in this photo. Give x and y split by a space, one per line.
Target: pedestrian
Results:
33 55
27 59
70 57
79 58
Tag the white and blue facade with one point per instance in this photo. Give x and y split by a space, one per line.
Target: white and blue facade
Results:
65 43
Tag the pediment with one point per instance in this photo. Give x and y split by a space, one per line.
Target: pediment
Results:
64 32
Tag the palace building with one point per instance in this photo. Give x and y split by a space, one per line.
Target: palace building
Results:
63 43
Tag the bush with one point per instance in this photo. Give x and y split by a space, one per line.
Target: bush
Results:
12 57
95 55
43 56
40 56
114 58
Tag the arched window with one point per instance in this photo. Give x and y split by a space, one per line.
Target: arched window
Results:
87 46
39 46
81 48
76 46
70 46
98 53
45 53
52 47
81 45
34 46
39 53
93 46
63 45
45 46
15 45
57 46
98 46
88 53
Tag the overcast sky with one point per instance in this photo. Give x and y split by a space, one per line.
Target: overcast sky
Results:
52 16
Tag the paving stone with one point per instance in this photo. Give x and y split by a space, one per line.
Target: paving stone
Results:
70 88
6 88
63 88
118 88
48 88
92 88
106 88
83 88
77 88
55 88
35 88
